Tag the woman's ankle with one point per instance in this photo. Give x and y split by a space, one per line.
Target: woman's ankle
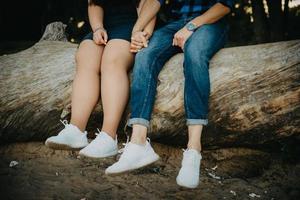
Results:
112 134
79 126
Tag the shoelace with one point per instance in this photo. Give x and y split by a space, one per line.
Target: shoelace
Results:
125 144
98 132
64 122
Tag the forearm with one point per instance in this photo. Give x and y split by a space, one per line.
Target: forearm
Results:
147 15
95 13
212 15
150 26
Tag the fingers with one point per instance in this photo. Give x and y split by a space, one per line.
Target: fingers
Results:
178 41
175 41
137 43
182 45
144 41
140 37
100 37
139 40
96 39
135 48
105 37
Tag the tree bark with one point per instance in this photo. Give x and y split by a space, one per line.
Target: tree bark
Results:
255 92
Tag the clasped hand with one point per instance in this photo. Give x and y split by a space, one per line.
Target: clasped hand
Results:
140 39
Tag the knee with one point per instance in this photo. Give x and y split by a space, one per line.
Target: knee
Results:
143 65
196 60
113 65
146 55
195 53
83 64
140 70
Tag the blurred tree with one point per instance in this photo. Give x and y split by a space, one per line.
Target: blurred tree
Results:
251 21
285 16
259 21
240 20
276 20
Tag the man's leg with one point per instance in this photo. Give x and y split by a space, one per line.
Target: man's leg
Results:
148 64
198 51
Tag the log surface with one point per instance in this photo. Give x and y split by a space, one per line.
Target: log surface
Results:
255 92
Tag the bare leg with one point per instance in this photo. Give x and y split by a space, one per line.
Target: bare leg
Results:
139 134
116 61
195 137
86 84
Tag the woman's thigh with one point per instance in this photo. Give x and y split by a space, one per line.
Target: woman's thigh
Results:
88 55
117 55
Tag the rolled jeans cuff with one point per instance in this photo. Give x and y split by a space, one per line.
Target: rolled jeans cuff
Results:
139 121
196 122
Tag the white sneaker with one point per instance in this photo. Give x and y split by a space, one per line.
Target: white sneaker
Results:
189 173
102 146
133 157
69 138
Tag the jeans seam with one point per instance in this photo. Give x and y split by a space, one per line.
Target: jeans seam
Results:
185 97
149 80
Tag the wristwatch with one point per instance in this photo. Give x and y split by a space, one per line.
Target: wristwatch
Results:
191 26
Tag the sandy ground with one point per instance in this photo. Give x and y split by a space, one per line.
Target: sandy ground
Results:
42 173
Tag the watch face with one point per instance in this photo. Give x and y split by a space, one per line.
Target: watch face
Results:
190 27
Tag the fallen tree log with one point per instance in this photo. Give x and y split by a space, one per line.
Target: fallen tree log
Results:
255 92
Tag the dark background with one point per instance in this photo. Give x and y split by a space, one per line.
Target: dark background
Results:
252 21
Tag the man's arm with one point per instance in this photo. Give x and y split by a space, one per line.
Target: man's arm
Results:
150 26
212 15
147 13
144 25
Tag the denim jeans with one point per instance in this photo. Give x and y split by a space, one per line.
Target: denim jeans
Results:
198 50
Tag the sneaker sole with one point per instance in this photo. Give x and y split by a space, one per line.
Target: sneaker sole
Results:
130 170
106 156
186 186
57 146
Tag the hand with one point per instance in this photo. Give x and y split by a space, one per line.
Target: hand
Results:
148 34
181 37
100 36
139 40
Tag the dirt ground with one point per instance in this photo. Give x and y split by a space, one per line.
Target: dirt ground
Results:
42 173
